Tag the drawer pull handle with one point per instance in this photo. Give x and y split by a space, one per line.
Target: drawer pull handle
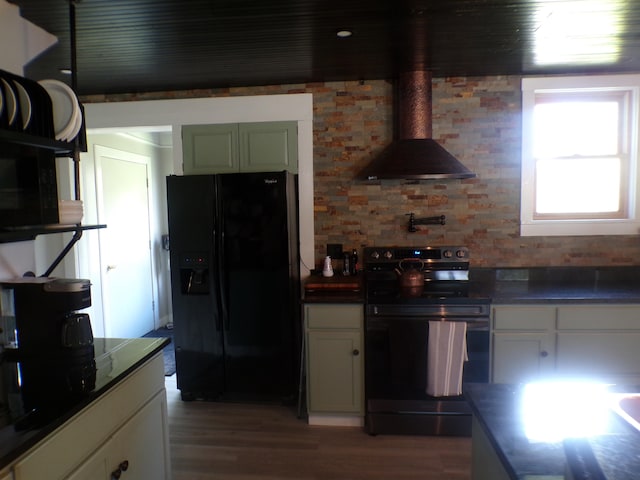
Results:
356 352
123 467
544 354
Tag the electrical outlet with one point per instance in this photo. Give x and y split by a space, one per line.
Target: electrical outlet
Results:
334 250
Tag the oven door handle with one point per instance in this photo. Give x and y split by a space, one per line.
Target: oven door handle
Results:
475 326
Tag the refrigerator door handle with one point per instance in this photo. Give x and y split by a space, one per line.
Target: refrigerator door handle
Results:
221 283
218 277
219 239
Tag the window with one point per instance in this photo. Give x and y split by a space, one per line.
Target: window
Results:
579 155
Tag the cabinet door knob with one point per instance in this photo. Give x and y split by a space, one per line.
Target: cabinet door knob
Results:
544 353
356 352
124 466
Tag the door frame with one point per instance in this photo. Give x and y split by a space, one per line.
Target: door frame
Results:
99 151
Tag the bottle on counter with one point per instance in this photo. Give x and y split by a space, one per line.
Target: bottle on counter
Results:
327 268
354 262
346 264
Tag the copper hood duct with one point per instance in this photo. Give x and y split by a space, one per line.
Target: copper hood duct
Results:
414 155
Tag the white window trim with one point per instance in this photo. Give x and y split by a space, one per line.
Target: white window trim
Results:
539 227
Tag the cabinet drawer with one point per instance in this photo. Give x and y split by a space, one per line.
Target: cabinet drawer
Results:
524 317
334 316
599 317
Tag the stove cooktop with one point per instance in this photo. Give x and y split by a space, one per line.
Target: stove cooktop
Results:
445 270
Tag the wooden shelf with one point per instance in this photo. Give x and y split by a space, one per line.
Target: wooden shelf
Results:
30 233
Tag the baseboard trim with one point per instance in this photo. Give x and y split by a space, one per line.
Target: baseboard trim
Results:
336 420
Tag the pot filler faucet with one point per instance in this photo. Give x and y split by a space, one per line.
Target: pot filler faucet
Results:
413 221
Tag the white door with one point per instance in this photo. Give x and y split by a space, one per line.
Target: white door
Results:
125 248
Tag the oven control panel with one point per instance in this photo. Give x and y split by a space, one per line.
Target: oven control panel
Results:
427 254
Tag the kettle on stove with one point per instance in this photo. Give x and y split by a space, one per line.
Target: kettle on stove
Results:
410 276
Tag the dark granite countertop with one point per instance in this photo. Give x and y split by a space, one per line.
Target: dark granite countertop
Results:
335 289
510 286
557 284
115 359
326 297
498 408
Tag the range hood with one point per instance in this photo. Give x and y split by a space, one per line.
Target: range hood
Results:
414 155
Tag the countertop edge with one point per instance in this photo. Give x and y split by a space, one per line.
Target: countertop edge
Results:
631 300
478 415
498 411
15 447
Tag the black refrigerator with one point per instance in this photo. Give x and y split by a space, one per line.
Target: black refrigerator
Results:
234 258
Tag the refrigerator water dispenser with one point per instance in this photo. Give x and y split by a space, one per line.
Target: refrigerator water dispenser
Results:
194 274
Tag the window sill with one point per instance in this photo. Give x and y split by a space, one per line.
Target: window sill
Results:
579 228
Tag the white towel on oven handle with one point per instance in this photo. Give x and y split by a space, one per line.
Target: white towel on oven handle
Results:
446 352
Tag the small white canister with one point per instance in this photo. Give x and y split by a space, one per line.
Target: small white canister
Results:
327 269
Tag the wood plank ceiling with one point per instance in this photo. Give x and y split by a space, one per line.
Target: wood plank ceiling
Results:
157 45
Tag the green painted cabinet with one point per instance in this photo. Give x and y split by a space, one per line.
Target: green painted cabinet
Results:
523 343
589 341
335 359
210 149
599 342
240 147
485 463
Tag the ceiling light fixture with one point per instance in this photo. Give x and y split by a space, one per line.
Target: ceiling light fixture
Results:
344 33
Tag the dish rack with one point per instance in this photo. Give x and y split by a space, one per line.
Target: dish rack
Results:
64 136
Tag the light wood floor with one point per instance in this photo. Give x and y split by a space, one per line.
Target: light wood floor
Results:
225 441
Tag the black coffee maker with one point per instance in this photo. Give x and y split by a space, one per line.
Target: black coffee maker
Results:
54 342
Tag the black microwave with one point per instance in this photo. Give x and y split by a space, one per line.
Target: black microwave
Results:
28 186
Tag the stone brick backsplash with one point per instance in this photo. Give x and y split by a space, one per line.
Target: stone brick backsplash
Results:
479 121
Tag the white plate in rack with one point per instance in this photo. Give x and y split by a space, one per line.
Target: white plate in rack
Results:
1 102
11 102
25 104
66 107
76 127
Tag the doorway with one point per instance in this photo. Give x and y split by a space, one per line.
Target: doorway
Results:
123 187
122 181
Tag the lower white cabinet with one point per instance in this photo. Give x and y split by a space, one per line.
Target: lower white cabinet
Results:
126 424
587 341
131 453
